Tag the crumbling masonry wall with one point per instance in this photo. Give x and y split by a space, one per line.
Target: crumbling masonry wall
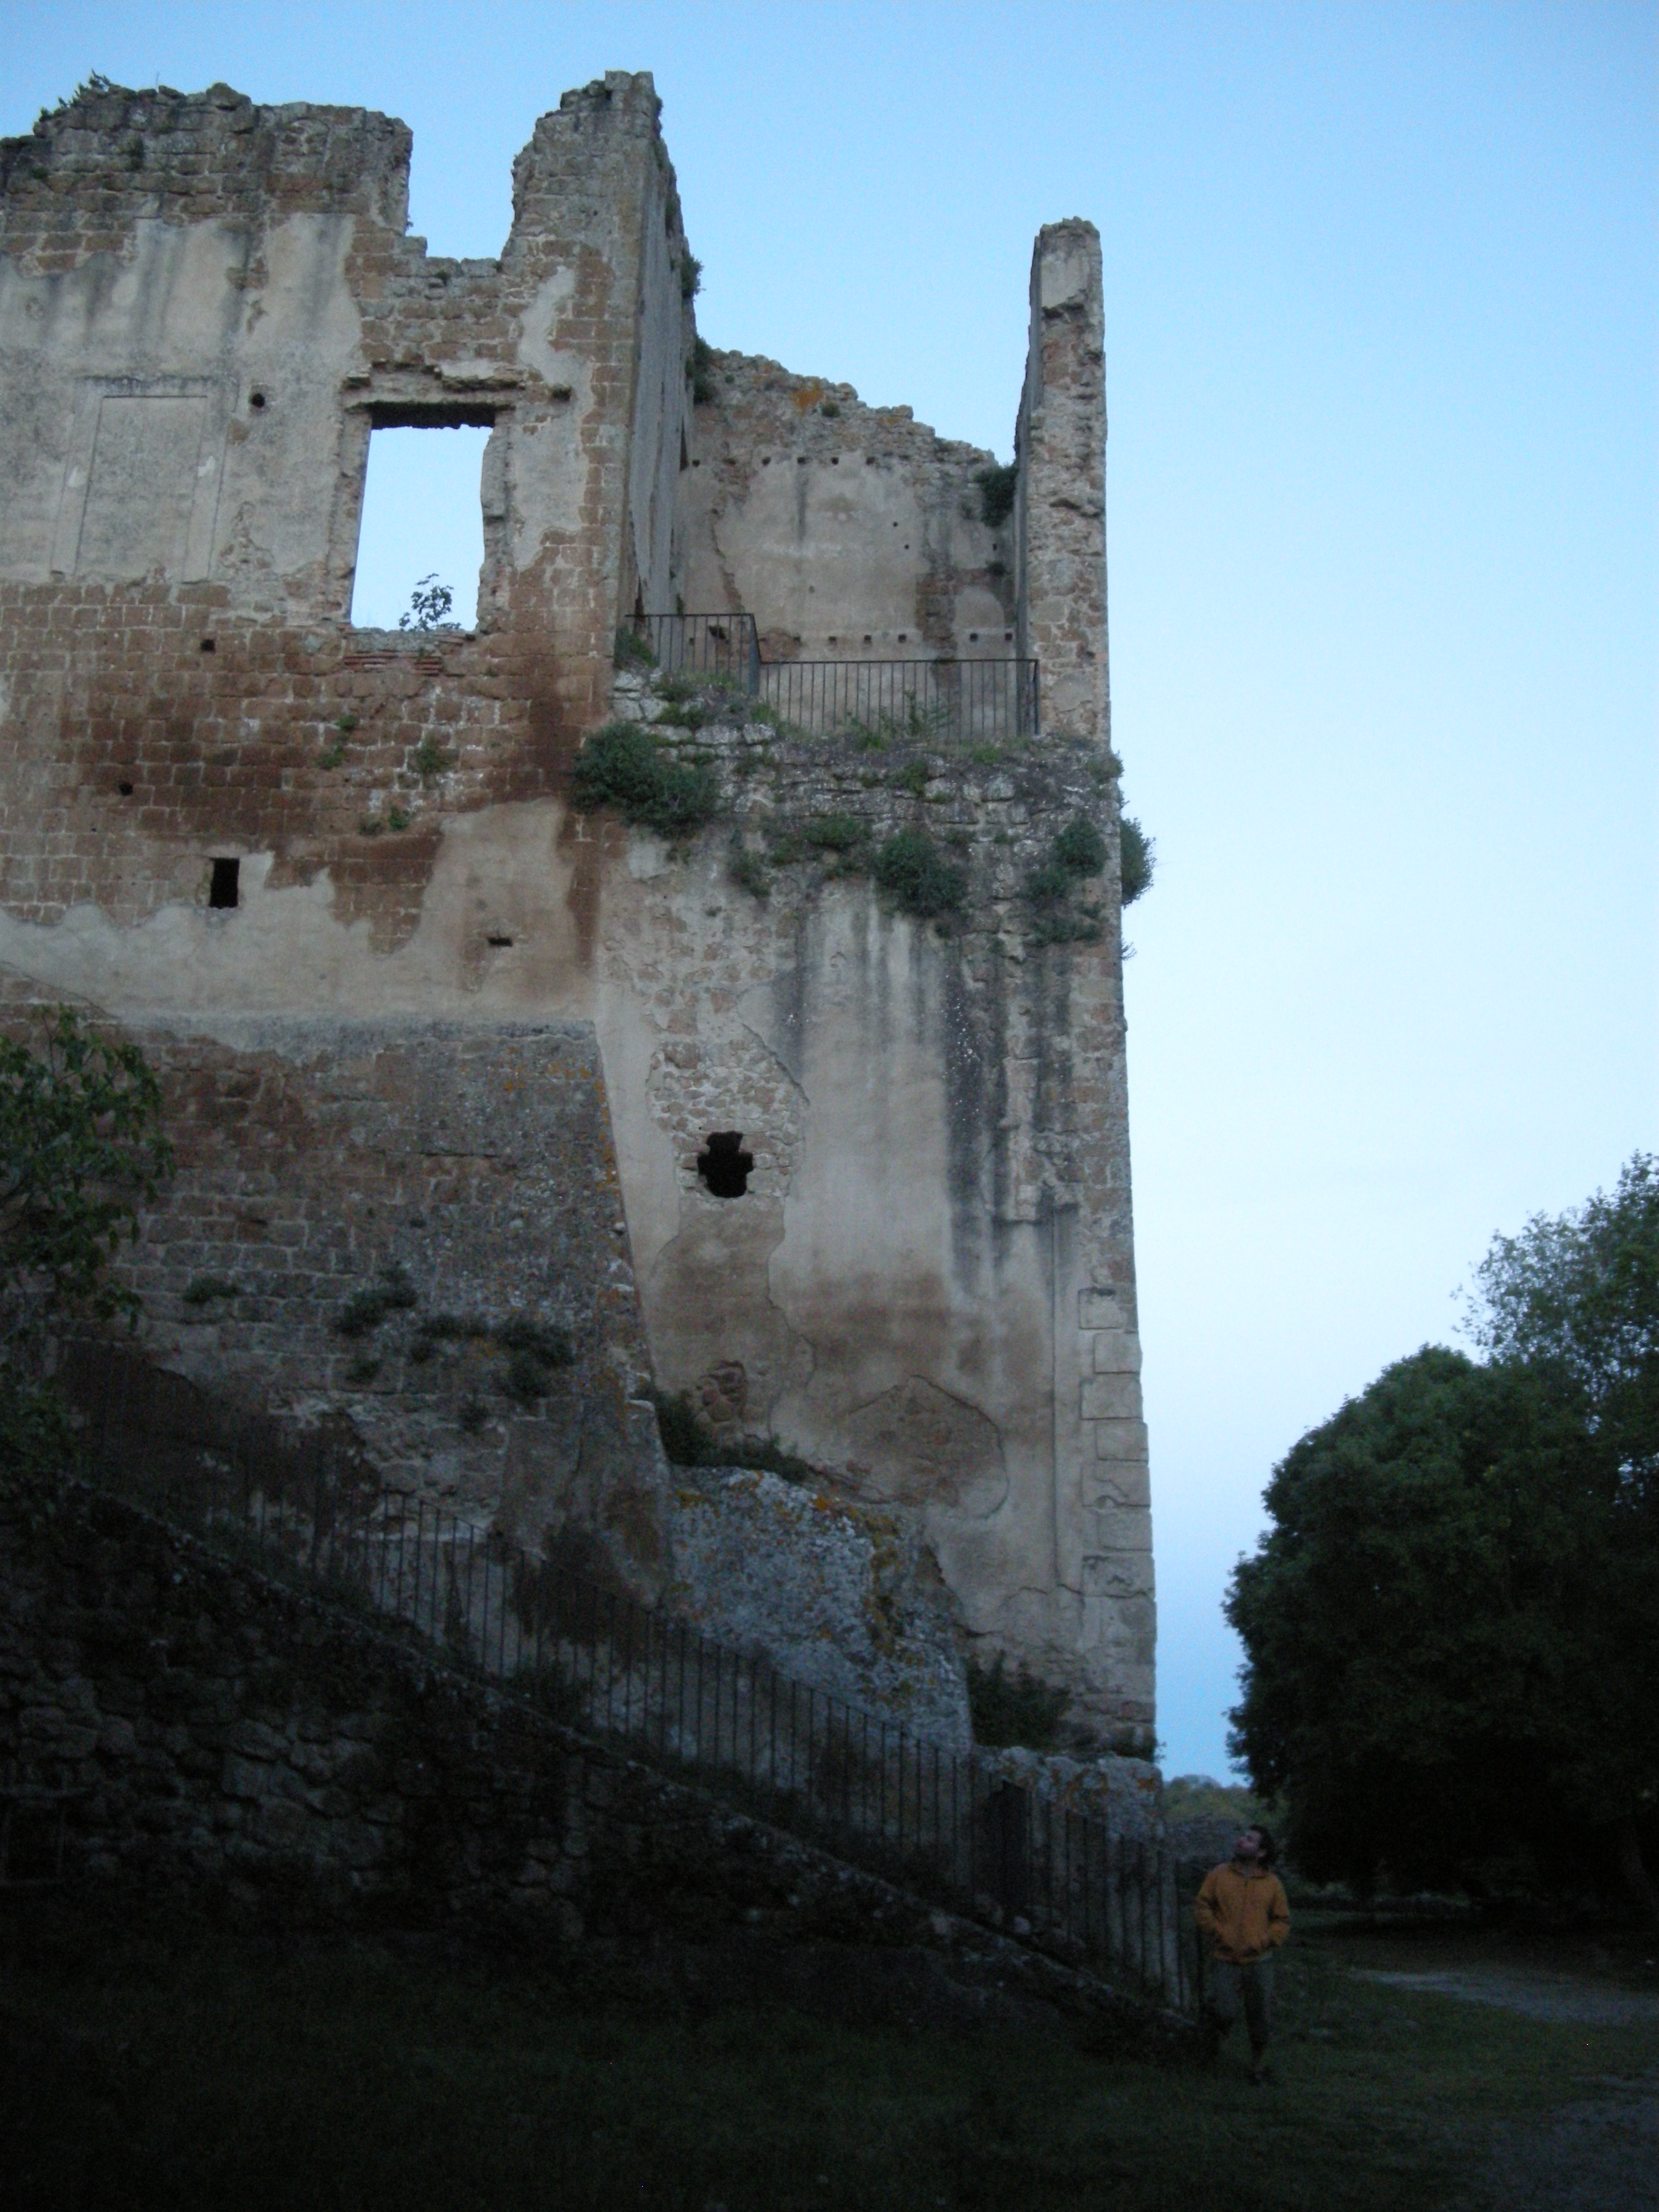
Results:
205 308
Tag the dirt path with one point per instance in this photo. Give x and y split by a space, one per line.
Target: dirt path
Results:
1540 1992
1598 2155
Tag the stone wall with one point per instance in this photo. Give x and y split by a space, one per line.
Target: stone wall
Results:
1060 510
849 533
840 1598
230 1745
206 308
928 1284
314 1158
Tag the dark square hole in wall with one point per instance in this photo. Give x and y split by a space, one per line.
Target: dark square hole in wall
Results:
723 1165
223 890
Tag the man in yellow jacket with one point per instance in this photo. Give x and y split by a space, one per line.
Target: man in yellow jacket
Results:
1242 1918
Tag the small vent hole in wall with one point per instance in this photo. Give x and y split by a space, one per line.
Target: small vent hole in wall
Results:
222 890
125 790
256 400
723 1165
498 940
209 645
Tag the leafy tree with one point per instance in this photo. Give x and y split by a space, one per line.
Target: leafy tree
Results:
429 606
1452 1643
1580 1294
81 1150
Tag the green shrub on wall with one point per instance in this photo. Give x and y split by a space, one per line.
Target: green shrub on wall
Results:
623 766
1140 860
998 486
1017 1709
687 1442
1080 848
917 876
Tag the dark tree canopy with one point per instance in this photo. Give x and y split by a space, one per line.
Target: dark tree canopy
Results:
1580 1292
1451 1629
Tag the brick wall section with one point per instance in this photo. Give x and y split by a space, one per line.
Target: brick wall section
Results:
369 329
98 163
108 685
312 1156
135 752
237 1745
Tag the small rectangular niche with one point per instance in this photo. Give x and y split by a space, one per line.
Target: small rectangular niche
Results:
422 524
225 887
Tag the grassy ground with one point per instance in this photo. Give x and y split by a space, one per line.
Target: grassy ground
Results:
210 2071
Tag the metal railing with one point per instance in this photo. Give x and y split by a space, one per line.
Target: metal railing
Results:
722 646
310 1509
948 703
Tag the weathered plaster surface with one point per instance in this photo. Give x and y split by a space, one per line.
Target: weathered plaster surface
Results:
849 533
928 1285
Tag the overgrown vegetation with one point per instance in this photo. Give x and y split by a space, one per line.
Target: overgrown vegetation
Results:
1076 852
699 369
1188 1797
630 648
839 838
1079 847
623 765
998 487
691 277
533 1349
1140 860
390 1292
1014 1709
748 870
688 1442
429 606
917 876
82 1148
429 760
203 1290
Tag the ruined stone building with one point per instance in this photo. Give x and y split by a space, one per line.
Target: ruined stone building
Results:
808 1101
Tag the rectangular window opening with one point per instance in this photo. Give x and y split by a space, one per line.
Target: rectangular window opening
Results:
421 534
227 877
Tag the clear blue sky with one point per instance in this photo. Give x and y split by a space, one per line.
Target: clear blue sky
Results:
1380 312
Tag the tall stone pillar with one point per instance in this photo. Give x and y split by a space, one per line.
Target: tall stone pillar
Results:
1060 445
1103 1515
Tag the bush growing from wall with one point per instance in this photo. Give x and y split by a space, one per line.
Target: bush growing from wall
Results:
688 1442
81 1149
1018 1708
623 765
997 488
1140 860
917 876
